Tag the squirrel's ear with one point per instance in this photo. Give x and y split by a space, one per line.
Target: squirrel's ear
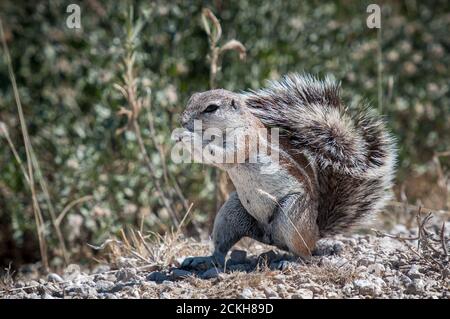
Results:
233 104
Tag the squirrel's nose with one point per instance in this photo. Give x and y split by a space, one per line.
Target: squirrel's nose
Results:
187 122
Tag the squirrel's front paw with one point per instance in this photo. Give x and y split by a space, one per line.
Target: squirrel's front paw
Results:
202 263
182 135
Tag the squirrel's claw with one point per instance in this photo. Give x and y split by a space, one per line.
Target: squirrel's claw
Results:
179 135
201 263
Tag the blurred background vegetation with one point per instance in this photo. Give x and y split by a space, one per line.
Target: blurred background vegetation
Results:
98 179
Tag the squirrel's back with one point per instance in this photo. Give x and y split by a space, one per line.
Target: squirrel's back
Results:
352 150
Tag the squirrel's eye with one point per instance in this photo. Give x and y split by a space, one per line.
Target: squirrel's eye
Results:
211 108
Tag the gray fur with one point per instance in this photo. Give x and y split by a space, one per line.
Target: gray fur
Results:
351 156
353 153
254 188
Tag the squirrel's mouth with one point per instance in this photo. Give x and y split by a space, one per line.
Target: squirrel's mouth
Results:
187 124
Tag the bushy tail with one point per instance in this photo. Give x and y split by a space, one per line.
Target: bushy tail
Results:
353 152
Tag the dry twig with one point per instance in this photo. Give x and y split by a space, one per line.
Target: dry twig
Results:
427 249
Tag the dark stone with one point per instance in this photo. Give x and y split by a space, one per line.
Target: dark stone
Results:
126 274
116 288
104 286
74 289
157 276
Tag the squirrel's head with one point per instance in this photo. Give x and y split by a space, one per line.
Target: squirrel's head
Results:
220 109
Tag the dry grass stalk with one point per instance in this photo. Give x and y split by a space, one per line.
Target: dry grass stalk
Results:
431 248
135 105
33 169
168 177
380 71
6 280
213 29
133 244
161 252
443 178
39 220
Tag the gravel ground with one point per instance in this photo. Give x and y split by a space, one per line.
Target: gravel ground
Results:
351 266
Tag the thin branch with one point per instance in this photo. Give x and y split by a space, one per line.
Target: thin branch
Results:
411 206
443 240
69 206
39 220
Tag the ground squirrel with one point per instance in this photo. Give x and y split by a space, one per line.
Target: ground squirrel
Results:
335 167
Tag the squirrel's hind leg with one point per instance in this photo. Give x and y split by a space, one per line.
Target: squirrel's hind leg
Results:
232 223
294 224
